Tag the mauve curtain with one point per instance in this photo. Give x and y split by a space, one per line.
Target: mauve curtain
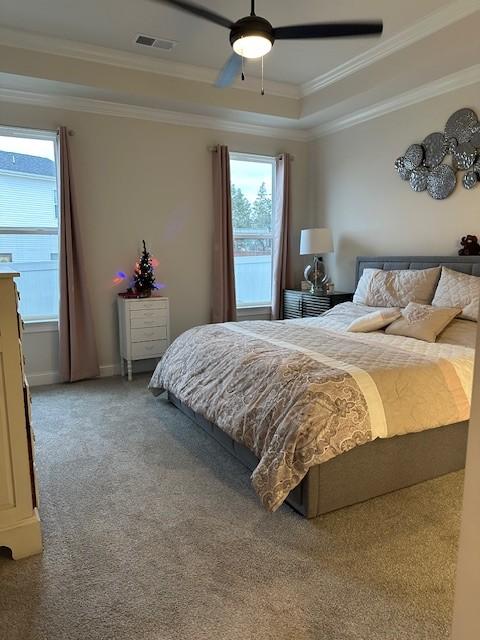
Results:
78 352
224 308
281 275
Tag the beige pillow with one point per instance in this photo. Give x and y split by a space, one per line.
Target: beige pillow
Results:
460 290
422 322
378 288
374 321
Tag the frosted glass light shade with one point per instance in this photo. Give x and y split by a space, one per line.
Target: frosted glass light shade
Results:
315 242
252 46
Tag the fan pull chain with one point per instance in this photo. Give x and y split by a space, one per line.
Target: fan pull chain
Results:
243 68
263 90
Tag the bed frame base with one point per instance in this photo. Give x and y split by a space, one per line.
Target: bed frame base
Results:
365 472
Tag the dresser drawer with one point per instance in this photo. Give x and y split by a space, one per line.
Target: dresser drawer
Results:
151 349
148 303
149 334
148 318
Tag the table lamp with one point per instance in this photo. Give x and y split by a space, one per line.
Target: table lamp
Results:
316 242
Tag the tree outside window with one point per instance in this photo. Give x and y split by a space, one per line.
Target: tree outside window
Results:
252 190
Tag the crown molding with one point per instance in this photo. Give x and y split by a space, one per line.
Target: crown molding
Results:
451 13
423 28
134 61
452 82
106 108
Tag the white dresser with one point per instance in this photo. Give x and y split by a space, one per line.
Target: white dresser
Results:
144 325
19 521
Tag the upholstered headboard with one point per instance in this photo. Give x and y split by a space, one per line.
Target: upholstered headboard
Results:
465 264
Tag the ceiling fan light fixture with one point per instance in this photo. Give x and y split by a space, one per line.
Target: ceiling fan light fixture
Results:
252 46
253 36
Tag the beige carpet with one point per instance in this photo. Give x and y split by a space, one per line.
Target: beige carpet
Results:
153 532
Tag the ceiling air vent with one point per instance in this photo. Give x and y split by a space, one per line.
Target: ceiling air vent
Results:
156 43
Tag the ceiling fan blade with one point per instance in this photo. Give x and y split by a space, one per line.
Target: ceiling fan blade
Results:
200 12
328 30
230 71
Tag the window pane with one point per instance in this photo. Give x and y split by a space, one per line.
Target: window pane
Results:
252 188
29 222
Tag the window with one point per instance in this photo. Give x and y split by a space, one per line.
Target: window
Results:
253 192
28 218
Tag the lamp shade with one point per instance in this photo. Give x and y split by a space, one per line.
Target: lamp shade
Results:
315 242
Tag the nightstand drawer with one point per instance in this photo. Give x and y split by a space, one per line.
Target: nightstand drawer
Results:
150 349
144 329
303 304
148 318
148 303
149 334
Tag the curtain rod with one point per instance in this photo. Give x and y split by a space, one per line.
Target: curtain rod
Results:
292 158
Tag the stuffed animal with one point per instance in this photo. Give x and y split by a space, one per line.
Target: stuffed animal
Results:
470 246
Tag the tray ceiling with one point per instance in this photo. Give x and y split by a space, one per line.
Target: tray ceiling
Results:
115 23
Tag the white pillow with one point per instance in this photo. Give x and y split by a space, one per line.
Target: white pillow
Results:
458 290
374 321
422 321
378 288
361 291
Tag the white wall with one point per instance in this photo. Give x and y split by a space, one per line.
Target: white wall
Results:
137 179
41 355
359 195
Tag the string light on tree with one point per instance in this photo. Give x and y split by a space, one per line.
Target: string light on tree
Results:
144 274
143 281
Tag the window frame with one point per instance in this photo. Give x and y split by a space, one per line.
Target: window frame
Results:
249 309
44 323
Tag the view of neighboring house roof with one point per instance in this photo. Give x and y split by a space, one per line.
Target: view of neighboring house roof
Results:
23 163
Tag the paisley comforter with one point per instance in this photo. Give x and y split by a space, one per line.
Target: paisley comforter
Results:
300 392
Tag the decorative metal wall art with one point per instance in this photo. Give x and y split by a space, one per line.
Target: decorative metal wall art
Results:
422 164
441 181
419 179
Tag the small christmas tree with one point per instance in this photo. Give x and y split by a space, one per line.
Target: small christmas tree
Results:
144 275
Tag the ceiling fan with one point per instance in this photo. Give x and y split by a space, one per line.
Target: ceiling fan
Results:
253 36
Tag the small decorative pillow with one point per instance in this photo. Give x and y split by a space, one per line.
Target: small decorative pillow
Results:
421 321
460 290
374 321
378 288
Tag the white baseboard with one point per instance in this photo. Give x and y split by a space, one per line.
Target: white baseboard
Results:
44 377
106 371
53 377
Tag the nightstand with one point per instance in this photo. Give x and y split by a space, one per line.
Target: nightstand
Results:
144 325
303 304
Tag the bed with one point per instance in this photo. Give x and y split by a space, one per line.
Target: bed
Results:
252 386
